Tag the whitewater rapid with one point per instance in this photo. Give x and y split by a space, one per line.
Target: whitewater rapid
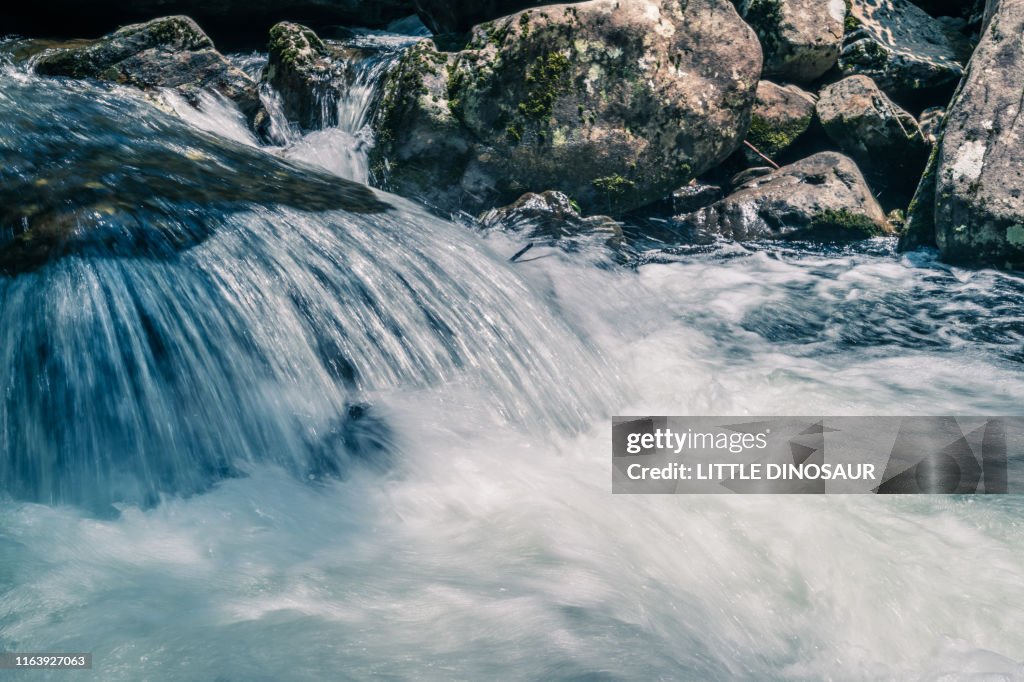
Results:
490 546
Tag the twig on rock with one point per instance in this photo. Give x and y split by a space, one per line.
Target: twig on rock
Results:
758 152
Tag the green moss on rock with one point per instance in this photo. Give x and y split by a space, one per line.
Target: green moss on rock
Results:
843 224
771 137
546 78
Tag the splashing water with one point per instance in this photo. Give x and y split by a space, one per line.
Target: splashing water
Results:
489 545
154 372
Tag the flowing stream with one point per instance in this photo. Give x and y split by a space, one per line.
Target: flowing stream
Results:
242 439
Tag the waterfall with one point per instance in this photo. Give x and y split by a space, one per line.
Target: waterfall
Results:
199 325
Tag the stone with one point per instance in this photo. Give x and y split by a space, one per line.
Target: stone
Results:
930 121
801 38
459 16
821 198
780 116
307 74
171 52
868 126
970 202
694 196
613 104
900 47
549 215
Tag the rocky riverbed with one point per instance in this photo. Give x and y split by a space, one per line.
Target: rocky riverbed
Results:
907 112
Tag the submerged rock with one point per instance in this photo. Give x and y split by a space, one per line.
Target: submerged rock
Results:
614 104
872 129
136 183
172 52
821 198
899 46
694 196
781 115
549 215
801 38
971 201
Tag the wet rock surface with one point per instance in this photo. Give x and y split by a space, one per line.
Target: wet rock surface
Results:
145 191
307 74
171 52
550 215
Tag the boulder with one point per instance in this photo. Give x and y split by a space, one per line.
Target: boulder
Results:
801 38
550 215
899 46
780 116
307 74
971 201
821 198
313 76
613 104
171 52
868 126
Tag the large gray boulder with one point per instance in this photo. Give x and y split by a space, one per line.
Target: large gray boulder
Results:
801 38
171 52
871 128
821 198
971 200
615 104
900 47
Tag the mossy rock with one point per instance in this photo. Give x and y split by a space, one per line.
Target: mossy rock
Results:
821 198
170 52
586 99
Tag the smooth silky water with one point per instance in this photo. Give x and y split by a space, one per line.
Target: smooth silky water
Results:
337 445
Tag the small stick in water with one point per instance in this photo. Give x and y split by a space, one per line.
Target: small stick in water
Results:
520 252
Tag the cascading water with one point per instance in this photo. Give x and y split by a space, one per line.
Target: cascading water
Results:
218 336
136 369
